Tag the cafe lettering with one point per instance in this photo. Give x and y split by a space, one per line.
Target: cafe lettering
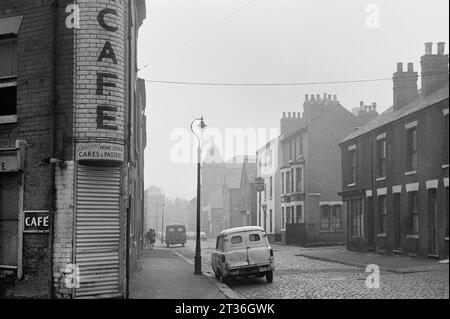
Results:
106 79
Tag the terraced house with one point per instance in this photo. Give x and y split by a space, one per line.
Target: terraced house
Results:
72 136
311 209
395 168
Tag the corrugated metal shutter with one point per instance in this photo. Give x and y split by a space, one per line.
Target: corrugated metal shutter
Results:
98 230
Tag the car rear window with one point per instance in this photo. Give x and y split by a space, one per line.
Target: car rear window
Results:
180 229
254 237
171 229
236 239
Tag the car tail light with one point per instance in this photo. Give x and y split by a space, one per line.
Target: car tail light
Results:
223 258
271 252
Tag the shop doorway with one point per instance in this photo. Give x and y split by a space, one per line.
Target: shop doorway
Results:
9 221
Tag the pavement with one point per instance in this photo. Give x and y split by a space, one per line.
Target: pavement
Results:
27 288
163 274
396 264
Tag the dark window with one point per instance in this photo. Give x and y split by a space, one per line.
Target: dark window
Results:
382 209
413 212
325 221
381 158
446 140
271 187
299 179
336 217
8 77
411 144
288 182
236 240
254 237
219 243
299 209
283 224
353 166
8 58
288 215
292 180
356 214
282 183
271 220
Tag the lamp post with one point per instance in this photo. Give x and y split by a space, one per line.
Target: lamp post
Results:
259 185
198 255
162 223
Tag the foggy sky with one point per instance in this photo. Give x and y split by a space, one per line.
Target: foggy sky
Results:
268 41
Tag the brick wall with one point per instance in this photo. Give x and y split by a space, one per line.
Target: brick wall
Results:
63 225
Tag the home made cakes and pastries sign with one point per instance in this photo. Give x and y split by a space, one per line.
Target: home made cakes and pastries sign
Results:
100 151
101 77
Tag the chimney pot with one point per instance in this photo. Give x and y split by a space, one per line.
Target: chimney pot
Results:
306 97
428 48
289 115
361 104
399 67
440 48
335 97
324 96
284 115
299 115
329 97
410 67
318 97
313 98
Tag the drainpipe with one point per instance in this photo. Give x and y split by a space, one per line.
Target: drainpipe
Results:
52 108
130 65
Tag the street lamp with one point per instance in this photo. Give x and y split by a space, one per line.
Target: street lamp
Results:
260 186
198 256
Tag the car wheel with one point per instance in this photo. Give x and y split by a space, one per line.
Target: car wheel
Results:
269 276
224 279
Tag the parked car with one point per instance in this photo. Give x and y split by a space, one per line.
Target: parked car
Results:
243 251
190 235
175 235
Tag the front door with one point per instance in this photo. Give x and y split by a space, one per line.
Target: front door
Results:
397 225
371 224
433 240
9 221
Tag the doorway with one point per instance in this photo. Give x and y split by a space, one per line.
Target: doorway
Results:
433 233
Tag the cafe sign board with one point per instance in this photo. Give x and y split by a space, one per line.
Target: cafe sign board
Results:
99 152
36 221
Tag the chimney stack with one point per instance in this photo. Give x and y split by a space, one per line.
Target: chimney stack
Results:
434 68
405 86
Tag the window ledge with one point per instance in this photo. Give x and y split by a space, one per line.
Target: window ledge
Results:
412 236
351 185
8 119
411 173
445 166
382 235
379 179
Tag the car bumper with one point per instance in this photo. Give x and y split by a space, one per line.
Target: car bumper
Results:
253 270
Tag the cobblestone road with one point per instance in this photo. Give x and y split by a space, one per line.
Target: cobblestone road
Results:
301 277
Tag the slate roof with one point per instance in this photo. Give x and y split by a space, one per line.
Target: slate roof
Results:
390 115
